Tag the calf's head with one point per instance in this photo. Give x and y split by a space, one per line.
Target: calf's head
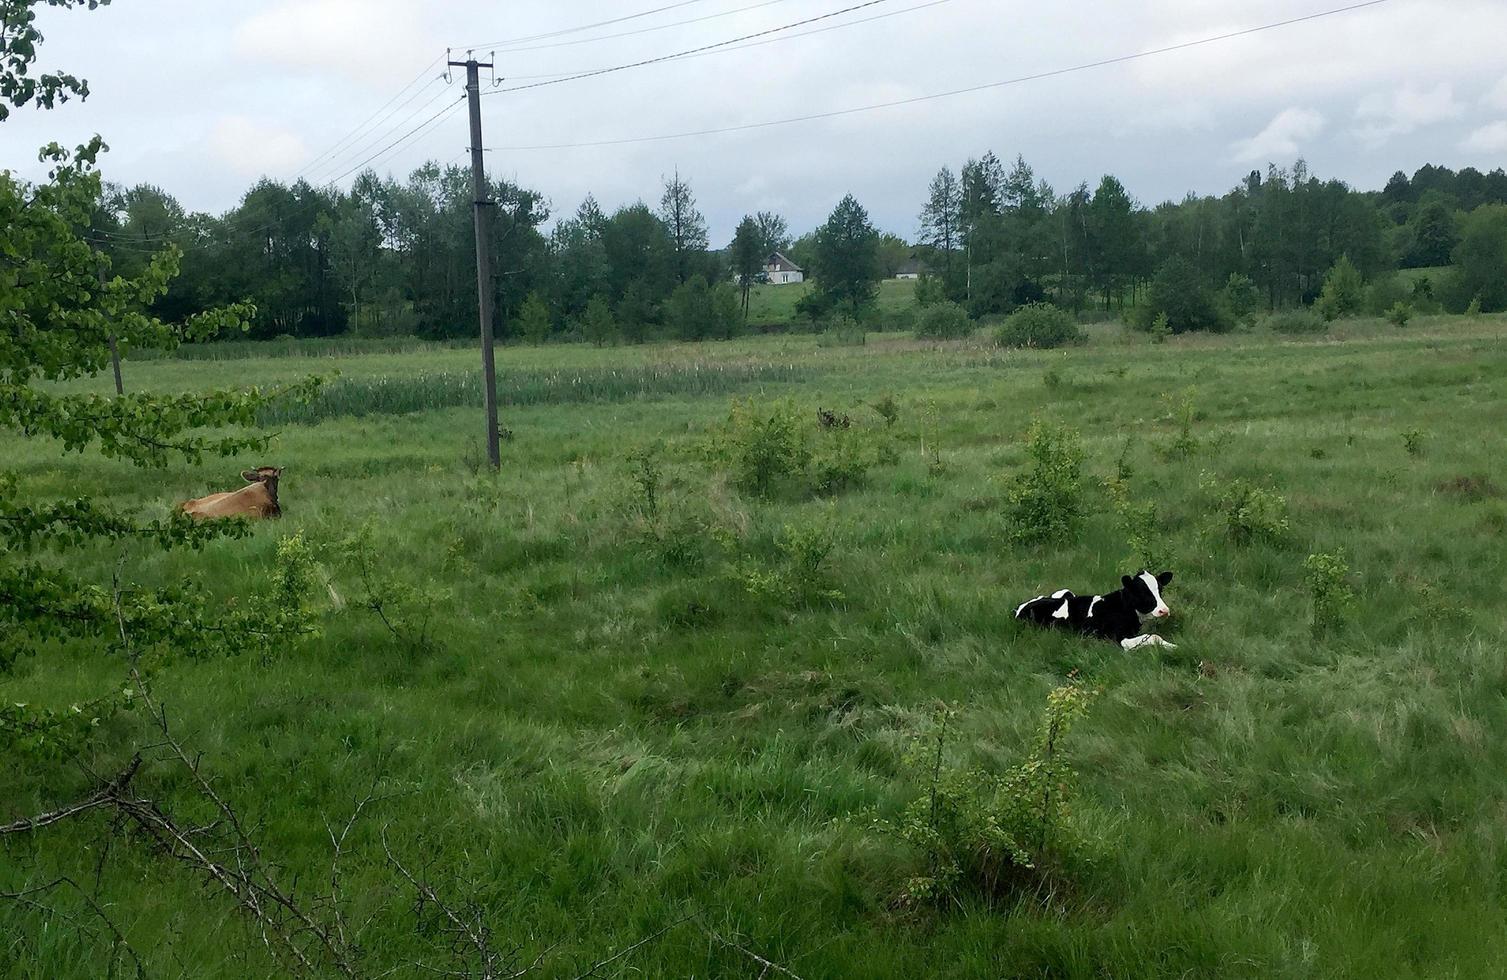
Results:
265 475
1145 591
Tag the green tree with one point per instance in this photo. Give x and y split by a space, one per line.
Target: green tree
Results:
637 313
59 324
1180 294
1481 257
534 319
1344 291
597 323
1241 297
685 224
747 254
941 218
774 233
845 257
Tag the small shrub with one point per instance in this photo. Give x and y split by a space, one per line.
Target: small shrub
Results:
1161 329
1474 309
995 834
801 574
944 321
1399 315
1038 325
1184 412
888 409
841 462
1385 293
1052 378
1326 575
1412 441
1137 523
843 331
1045 502
405 611
767 446
674 537
930 290
1297 322
1250 513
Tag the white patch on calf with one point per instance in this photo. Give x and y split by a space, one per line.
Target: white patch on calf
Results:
1097 599
1156 593
1061 592
1022 607
1061 612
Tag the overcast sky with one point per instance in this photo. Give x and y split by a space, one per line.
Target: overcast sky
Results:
204 97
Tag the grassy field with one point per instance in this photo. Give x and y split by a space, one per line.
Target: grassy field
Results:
776 304
599 742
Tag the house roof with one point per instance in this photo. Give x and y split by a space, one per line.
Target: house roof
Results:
779 262
911 267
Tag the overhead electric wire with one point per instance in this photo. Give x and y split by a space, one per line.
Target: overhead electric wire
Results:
896 103
767 40
377 137
633 33
403 140
354 133
585 27
691 51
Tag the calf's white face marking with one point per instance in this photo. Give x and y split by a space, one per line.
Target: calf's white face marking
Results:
1161 609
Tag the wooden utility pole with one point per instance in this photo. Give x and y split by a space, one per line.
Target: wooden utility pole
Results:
479 206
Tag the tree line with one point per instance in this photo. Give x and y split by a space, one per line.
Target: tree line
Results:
395 256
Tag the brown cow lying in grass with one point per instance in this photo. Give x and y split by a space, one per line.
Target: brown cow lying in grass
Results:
257 501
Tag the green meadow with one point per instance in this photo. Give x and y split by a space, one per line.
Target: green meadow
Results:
596 733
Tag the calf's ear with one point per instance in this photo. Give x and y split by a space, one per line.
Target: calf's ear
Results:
1125 581
251 476
1163 579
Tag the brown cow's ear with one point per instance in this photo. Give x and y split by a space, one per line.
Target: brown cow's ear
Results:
251 476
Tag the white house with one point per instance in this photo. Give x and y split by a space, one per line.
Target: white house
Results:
780 271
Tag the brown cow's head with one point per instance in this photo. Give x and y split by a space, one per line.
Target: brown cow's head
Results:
266 476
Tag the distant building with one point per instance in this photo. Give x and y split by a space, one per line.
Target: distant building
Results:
911 269
780 271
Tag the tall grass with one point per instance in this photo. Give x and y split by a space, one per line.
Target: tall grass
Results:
402 394
243 350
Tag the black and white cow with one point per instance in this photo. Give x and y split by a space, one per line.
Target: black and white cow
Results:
1116 616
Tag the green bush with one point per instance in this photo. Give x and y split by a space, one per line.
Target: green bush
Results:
1241 298
1400 314
1038 325
1250 513
944 321
767 446
1331 595
1385 293
1298 322
843 331
1344 291
930 290
1045 502
997 834
800 575
1180 293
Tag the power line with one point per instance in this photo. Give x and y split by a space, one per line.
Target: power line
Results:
403 140
344 140
683 54
767 40
635 33
954 92
587 27
377 137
